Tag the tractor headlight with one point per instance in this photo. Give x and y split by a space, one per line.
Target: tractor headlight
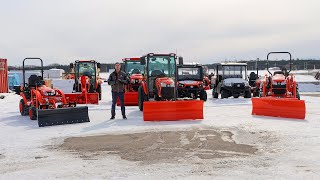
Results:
49 93
180 85
167 85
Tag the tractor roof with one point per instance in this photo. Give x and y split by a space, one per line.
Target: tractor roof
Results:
130 59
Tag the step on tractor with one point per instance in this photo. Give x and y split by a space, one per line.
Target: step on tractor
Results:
48 106
279 94
157 92
87 83
230 79
135 72
191 82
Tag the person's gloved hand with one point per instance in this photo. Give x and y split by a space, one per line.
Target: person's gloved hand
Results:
122 81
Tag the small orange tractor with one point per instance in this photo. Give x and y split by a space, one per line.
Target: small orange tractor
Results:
48 106
87 85
279 95
157 94
191 81
134 71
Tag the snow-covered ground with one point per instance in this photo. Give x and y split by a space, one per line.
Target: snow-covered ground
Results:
292 153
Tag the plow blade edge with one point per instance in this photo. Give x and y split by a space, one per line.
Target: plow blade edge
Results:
51 117
279 107
172 110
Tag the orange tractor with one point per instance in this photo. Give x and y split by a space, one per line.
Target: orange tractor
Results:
48 106
87 85
134 71
157 94
279 95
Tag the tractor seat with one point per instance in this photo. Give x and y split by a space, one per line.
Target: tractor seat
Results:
135 71
157 73
35 80
252 76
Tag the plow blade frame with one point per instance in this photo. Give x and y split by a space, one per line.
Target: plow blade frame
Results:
79 98
130 99
279 107
172 110
51 117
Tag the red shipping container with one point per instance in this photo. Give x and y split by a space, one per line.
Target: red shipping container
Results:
3 76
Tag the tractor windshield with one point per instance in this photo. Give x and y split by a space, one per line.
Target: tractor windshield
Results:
189 73
161 65
86 68
134 67
234 72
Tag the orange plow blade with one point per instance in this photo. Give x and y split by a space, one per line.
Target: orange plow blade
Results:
172 110
83 98
279 107
130 99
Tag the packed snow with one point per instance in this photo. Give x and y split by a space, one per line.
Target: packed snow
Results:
291 151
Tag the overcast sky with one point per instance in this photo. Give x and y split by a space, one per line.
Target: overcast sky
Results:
204 31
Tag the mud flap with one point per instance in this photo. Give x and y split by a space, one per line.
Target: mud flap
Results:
279 107
51 117
130 99
172 110
79 98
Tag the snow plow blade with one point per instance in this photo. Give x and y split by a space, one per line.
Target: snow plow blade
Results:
172 110
279 107
51 117
130 99
83 98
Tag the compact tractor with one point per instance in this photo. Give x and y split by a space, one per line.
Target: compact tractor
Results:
279 95
87 85
135 72
157 92
191 81
230 79
48 106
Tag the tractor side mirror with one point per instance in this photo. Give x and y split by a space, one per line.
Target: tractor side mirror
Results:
71 65
98 65
180 60
142 61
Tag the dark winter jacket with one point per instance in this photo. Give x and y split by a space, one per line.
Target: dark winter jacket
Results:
117 81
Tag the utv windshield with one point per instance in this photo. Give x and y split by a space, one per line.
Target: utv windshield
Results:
86 68
189 73
234 72
161 65
134 67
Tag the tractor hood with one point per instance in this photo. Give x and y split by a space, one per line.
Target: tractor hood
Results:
136 76
278 78
188 82
165 82
46 91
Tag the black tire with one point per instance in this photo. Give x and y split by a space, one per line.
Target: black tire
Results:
224 94
247 94
236 96
24 110
99 91
204 96
33 113
298 94
140 98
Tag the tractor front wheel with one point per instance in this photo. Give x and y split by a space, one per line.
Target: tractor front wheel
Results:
140 98
33 113
247 94
23 108
203 95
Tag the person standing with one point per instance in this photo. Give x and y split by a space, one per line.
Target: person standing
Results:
117 81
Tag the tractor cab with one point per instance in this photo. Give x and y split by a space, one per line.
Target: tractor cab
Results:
230 80
134 71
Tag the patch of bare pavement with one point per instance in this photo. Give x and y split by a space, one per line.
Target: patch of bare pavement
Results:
166 146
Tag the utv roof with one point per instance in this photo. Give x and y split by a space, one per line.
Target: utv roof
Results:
232 64
130 59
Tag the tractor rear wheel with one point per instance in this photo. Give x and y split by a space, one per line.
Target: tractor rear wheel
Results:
203 95
24 110
33 113
140 98
298 94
